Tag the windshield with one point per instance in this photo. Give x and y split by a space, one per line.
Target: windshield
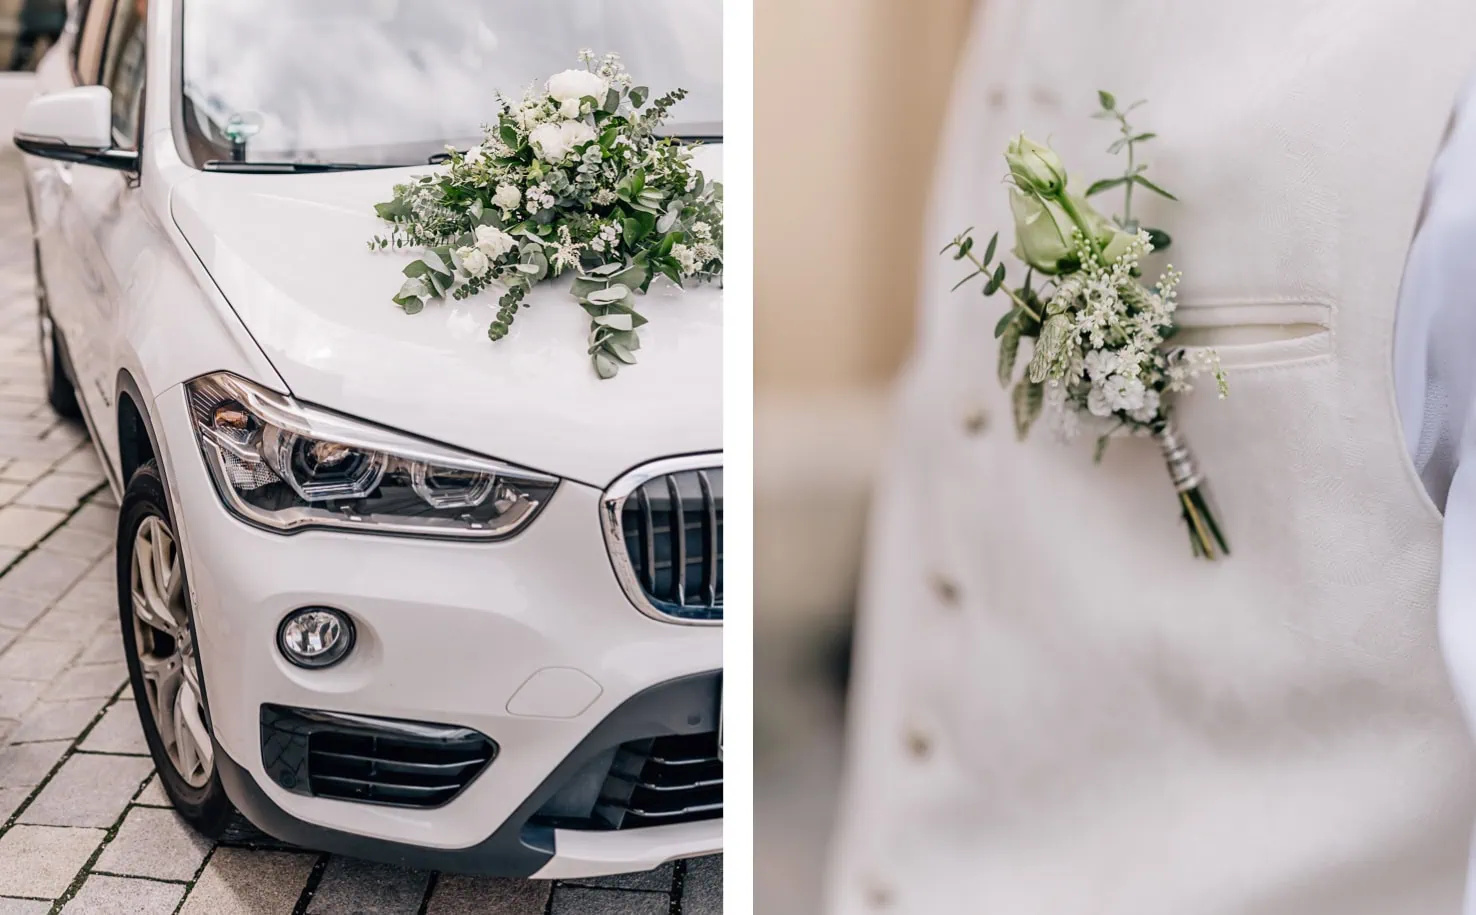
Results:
393 82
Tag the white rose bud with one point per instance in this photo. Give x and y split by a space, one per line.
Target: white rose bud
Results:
577 84
507 197
569 108
473 261
493 243
1035 167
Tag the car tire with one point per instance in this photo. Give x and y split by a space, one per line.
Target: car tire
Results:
158 643
60 392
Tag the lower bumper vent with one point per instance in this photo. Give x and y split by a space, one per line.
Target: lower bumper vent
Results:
652 782
372 760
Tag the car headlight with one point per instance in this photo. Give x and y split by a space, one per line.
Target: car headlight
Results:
288 466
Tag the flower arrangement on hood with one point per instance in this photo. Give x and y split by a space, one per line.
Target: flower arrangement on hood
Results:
1100 355
571 179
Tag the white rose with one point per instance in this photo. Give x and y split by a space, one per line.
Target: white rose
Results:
492 242
576 84
474 155
554 142
570 108
507 196
473 261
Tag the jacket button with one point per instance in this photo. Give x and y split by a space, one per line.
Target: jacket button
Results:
946 590
919 745
975 422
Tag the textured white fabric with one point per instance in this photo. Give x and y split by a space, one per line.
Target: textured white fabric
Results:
1057 710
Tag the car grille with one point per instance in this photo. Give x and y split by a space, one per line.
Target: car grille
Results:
651 782
671 527
372 760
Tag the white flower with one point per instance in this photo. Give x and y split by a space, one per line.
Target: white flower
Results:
1101 363
1149 411
1123 393
570 108
507 196
473 261
474 155
1097 403
576 84
493 242
554 142
687 257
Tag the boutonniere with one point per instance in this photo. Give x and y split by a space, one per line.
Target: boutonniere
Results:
1101 360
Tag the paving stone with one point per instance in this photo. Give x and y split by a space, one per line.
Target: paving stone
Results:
37 659
8 491
82 461
43 573
153 795
76 541
239 881
456 894
64 625
104 895
89 681
24 765
579 900
23 907
62 720
89 791
107 645
69 431
17 695
100 519
24 472
7 635
354 887
11 800
702 891
105 497
90 595
119 731
21 526
41 861
62 491
659 879
154 843
17 611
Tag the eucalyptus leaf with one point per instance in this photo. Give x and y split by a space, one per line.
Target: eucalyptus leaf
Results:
530 269
612 101
995 281
1159 239
1009 348
964 249
638 96
628 339
609 295
411 304
1108 100
605 367
1027 400
1153 187
1101 448
669 218
606 269
1106 184
989 249
620 352
1005 321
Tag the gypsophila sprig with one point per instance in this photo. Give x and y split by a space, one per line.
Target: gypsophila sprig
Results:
571 178
1100 359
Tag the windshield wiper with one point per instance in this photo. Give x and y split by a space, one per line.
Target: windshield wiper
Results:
230 165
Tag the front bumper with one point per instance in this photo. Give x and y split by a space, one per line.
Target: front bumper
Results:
529 641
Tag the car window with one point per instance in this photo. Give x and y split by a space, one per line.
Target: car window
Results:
88 47
123 69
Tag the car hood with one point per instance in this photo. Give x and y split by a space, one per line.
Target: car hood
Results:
290 253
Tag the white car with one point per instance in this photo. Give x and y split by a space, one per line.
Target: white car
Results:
386 587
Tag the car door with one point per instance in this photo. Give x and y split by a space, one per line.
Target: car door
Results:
105 218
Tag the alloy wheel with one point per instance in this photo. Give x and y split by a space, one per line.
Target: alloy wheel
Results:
165 644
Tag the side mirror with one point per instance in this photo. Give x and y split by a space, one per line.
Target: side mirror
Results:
74 125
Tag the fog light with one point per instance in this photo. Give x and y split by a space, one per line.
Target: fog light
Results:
315 636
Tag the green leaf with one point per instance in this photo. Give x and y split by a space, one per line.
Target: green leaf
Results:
411 304
629 339
635 276
612 101
1027 401
636 228
1159 238
605 367
1144 137
989 249
1152 187
638 96
416 268
1005 321
1108 100
530 269
995 281
1009 348
608 296
1101 449
605 269
964 249
508 135
615 322
620 352
1106 184
965 280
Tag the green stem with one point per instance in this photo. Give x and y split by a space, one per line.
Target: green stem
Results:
1080 222
1127 194
1005 289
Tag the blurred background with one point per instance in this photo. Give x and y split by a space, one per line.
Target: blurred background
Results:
849 97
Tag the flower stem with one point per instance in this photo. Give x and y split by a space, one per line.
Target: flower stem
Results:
1080 222
1005 289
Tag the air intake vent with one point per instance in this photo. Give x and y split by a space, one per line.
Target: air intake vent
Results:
652 782
373 760
665 529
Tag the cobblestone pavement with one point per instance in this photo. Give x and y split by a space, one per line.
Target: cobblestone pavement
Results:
84 826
